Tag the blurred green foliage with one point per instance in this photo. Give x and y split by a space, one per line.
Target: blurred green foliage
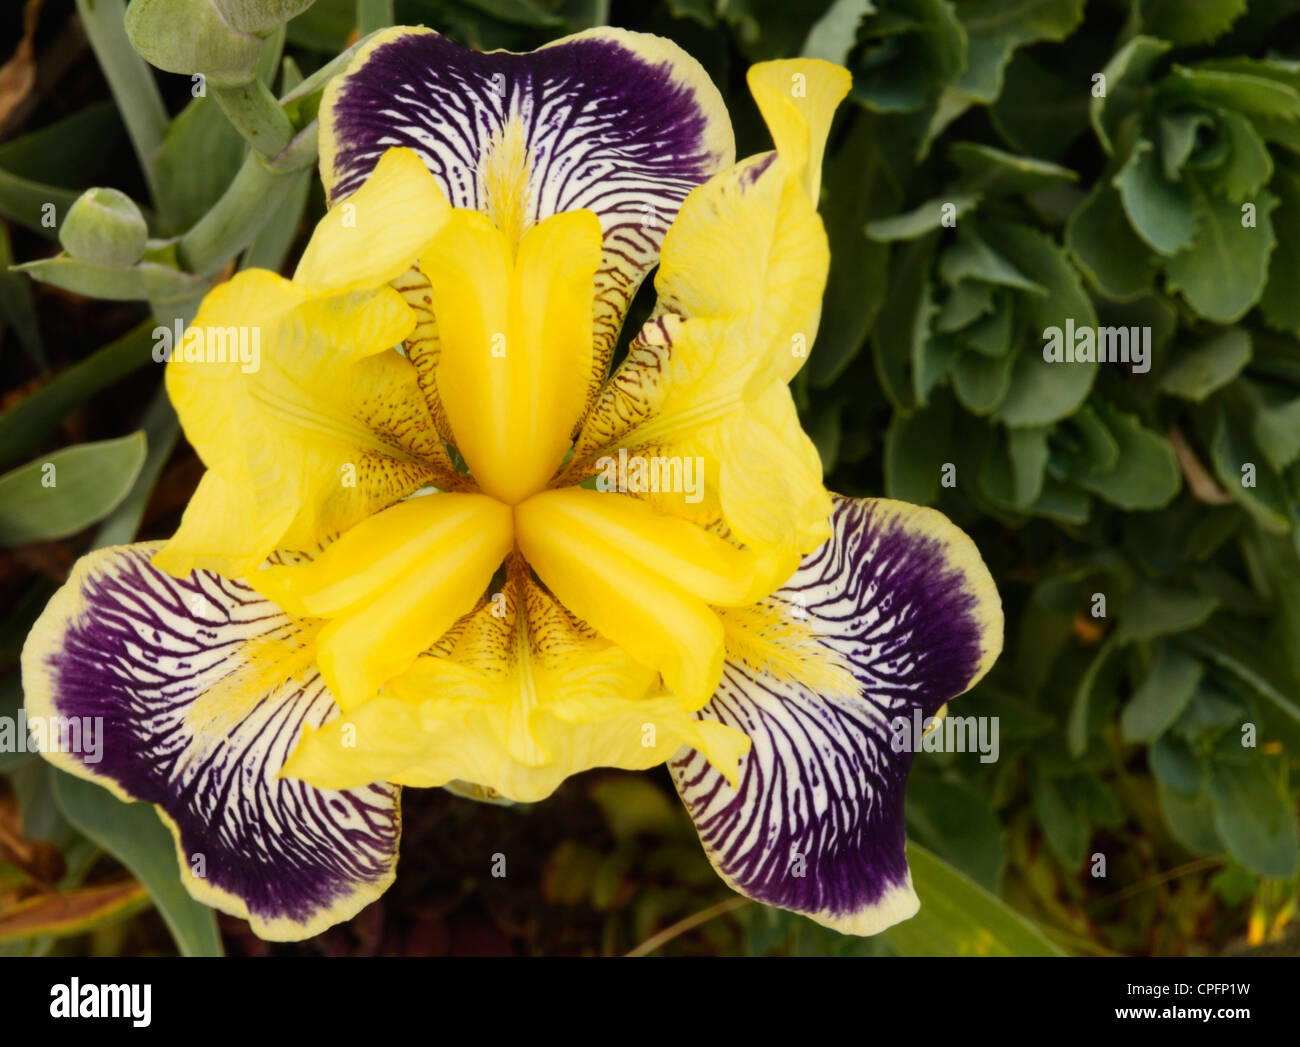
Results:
1002 167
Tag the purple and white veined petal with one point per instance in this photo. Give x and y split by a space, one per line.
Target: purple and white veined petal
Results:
901 598
201 688
623 124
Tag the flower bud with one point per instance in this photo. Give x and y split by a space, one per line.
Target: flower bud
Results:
192 36
260 16
105 227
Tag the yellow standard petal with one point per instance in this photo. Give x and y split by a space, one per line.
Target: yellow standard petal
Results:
798 97
515 328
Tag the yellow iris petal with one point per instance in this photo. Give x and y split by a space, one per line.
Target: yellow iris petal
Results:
523 697
515 326
322 426
392 585
798 98
740 282
371 238
643 579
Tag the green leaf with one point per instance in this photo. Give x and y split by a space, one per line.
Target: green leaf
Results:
1146 473
770 28
1014 478
1248 166
1222 275
908 54
933 356
324 27
11 700
858 189
1060 501
633 805
993 335
271 246
200 156
73 153
1103 243
161 428
1152 610
996 28
982 382
1191 821
518 12
1247 93
1254 816
1162 696
1178 136
30 422
1126 76
1059 811
957 822
1276 432
904 318
38 206
1043 392
1163 213
1280 303
1077 727
960 918
922 219
1240 654
68 490
1176 767
971 258
17 305
144 281
1189 23
134 834
991 172
1085 443
831 39
1199 371
916 448
1237 462
1040 112
966 302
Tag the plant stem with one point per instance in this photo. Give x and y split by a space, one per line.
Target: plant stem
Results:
258 191
256 115
129 78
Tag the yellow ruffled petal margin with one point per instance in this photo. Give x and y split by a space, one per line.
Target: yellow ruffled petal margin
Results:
519 698
740 281
291 394
371 238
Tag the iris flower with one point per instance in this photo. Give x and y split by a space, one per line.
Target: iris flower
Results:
405 564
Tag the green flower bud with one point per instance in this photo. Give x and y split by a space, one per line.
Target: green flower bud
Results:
193 36
260 16
105 227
